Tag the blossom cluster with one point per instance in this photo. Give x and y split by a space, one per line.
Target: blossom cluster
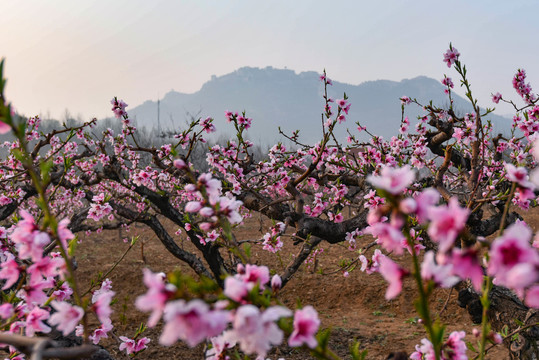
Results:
232 320
512 261
212 206
322 180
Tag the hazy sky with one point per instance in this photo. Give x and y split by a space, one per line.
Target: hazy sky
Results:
77 55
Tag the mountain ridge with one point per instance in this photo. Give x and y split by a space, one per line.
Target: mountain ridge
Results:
283 98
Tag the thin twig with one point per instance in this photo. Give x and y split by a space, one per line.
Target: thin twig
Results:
446 302
37 347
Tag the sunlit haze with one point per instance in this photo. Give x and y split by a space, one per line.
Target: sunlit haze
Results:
72 55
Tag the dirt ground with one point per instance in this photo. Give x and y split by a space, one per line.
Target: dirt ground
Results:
354 307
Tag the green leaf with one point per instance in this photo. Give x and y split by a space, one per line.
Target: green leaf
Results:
134 240
323 339
354 351
45 168
438 330
18 155
247 248
72 247
470 347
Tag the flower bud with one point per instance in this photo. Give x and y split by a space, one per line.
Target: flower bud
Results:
408 206
241 269
205 226
180 164
193 206
495 338
206 211
276 283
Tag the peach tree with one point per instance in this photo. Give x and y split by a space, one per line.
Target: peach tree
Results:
444 194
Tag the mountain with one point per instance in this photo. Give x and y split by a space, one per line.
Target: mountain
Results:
281 98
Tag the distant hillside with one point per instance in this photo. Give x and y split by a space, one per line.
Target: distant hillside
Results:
275 97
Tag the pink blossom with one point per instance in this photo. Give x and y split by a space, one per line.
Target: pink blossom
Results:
451 56
423 352
518 175
99 198
156 297
466 266
66 317
98 211
532 297
424 201
34 321
4 200
238 286
46 267
405 100
393 274
458 134
28 240
102 306
254 274
191 322
448 82
256 331
118 107
508 251
446 223
212 236
455 346
373 265
535 149
523 89
6 311
393 180
34 293
521 276
235 289
142 178
441 275
64 233
306 325
132 346
272 244
229 208
496 97
341 102
106 286
388 236
219 346
100 332
213 186
10 271
4 128
207 125
63 293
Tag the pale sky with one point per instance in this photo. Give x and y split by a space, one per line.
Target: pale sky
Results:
77 55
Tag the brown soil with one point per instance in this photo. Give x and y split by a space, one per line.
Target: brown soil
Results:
354 307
